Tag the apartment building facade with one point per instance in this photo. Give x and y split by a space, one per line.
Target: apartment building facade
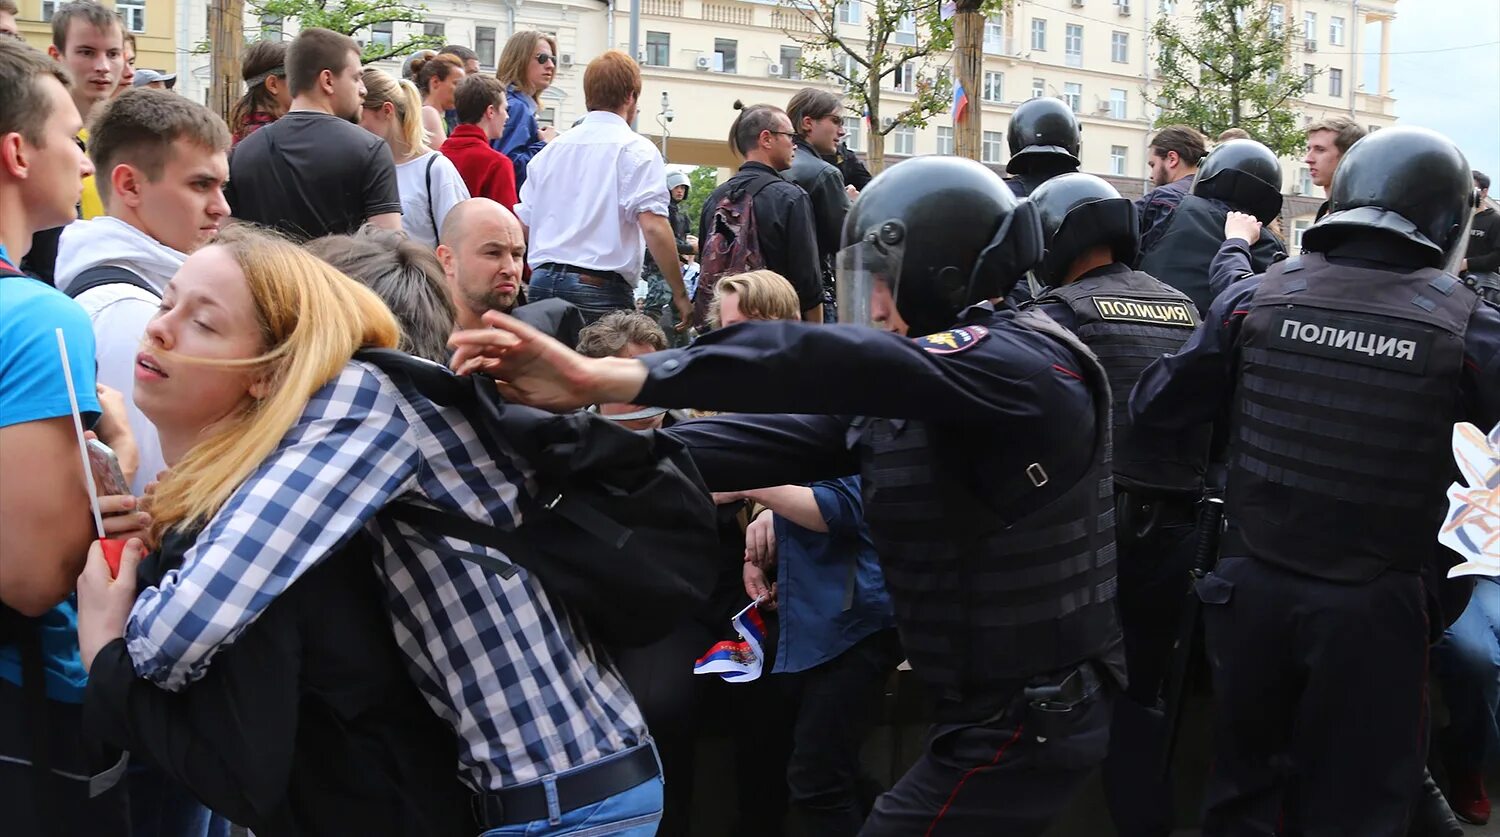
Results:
153 22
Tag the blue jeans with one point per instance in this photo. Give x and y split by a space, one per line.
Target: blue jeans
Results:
1467 662
592 301
629 813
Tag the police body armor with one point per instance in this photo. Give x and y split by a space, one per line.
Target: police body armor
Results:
1183 253
1347 394
1129 320
991 593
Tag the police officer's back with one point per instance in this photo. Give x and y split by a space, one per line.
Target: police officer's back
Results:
1343 371
1241 175
999 556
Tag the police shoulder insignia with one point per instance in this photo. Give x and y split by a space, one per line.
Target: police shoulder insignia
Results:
954 340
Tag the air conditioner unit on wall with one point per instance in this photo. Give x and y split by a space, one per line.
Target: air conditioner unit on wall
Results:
775 70
1123 6
566 59
1312 46
887 123
1077 4
704 62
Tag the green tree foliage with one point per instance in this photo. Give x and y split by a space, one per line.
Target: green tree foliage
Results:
1229 66
899 37
353 18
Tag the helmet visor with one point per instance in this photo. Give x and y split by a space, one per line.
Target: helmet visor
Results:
868 280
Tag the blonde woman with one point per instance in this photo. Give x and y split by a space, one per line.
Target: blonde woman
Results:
436 76
285 449
527 66
429 184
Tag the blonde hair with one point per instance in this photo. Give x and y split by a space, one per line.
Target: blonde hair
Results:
312 320
516 58
380 88
763 295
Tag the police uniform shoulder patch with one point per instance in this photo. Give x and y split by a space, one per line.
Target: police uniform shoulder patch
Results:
954 340
1151 312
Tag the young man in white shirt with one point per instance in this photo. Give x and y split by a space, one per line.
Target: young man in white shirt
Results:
162 162
591 198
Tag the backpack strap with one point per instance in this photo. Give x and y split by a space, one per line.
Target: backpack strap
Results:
437 235
98 277
462 527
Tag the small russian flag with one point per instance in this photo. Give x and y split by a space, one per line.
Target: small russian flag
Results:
737 661
960 101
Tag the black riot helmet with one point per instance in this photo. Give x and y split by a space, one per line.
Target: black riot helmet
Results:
1244 174
1079 212
932 236
1042 131
1410 182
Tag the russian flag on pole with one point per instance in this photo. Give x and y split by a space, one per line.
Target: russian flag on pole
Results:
737 661
960 101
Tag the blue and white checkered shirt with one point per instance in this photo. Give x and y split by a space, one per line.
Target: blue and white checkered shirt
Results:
495 658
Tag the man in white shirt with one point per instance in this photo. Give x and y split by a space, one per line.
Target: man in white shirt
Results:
594 196
161 163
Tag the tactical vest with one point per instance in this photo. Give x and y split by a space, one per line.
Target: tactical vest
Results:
1183 253
1129 320
1347 393
990 593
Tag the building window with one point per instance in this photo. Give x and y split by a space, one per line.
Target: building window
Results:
1309 72
1119 47
1335 82
658 49
1336 31
1310 27
991 145
437 31
994 38
49 8
1073 95
1038 88
849 11
132 13
904 80
994 87
1304 181
1168 7
1073 44
945 141
1039 34
1117 156
383 34
1298 228
547 116
726 55
852 126
270 27
905 140
1117 103
484 45
1278 18
791 62
906 30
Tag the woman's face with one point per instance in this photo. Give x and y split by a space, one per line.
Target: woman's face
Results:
540 70
207 312
379 120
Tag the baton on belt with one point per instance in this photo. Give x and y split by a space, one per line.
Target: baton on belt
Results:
1205 555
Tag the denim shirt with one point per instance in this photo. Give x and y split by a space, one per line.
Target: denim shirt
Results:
831 591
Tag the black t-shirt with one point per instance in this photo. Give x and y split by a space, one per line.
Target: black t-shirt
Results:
1484 243
310 174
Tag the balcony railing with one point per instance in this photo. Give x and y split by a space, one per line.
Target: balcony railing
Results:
662 8
742 15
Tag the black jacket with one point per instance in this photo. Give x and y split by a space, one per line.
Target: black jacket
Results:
784 221
824 185
307 725
1484 243
847 162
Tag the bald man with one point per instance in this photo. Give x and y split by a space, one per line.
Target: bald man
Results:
483 253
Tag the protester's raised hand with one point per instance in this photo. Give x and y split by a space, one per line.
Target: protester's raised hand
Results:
533 368
1242 225
104 601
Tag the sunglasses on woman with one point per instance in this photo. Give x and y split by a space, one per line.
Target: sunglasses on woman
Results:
544 58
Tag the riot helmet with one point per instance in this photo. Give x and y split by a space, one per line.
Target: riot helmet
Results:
1410 182
1079 212
1042 131
1244 174
928 238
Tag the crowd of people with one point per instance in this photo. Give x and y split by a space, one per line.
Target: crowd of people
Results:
346 361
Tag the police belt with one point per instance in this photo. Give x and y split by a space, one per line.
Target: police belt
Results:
575 788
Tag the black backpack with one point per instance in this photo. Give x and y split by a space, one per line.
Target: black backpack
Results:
621 527
98 277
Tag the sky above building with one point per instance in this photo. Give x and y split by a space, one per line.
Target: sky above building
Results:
1445 72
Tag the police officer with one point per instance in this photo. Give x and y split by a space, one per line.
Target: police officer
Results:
1342 371
1129 319
1240 175
998 556
1044 138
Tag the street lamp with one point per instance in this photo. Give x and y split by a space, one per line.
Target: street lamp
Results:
663 117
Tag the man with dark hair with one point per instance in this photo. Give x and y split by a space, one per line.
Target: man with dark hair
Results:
480 106
1176 151
312 172
464 54
593 195
1483 255
783 213
43 497
817 118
